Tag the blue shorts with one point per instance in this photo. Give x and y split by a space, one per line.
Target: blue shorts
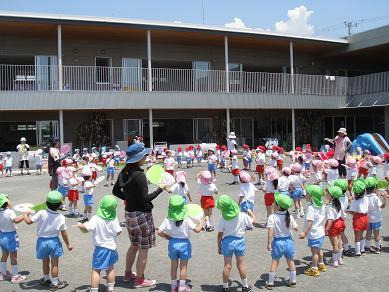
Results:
212 167
199 159
88 200
283 246
180 248
8 168
233 245
63 190
9 241
179 159
104 258
110 170
116 159
188 160
296 194
246 205
318 243
38 166
48 247
307 166
374 226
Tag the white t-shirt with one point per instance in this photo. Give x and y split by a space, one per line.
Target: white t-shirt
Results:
332 175
212 159
8 161
247 191
235 227
169 163
297 180
73 184
332 213
374 211
344 204
352 173
199 153
6 220
372 170
50 223
317 177
360 206
260 159
183 231
208 190
111 163
283 184
386 169
273 162
23 151
318 217
179 190
234 162
104 232
179 154
276 221
231 144
269 187
88 187
38 159
247 154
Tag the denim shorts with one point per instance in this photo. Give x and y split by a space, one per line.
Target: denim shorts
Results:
179 159
63 190
283 246
180 248
318 242
233 245
48 247
246 205
9 241
296 194
212 167
110 170
374 226
88 200
103 258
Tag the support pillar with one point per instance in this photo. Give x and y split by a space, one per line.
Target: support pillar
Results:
150 80
61 131
293 130
228 121
59 52
151 128
226 63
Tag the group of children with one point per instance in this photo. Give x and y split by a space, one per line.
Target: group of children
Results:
7 161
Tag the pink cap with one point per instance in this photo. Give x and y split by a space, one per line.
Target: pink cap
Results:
273 175
351 161
181 176
86 171
377 159
295 167
245 176
287 170
234 152
205 177
333 163
317 163
269 170
275 155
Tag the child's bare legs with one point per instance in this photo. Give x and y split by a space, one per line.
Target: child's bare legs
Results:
358 244
3 266
368 237
292 270
335 249
183 269
321 256
252 216
242 270
315 257
95 278
173 272
46 267
226 271
377 238
87 211
269 211
344 241
272 272
208 213
111 279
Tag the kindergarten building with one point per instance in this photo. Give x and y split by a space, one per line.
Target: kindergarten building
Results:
182 83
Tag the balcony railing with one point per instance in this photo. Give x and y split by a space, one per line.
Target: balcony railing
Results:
129 79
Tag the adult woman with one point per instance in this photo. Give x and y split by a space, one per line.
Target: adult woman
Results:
54 162
131 186
342 143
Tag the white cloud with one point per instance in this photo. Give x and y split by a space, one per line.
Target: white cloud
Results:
297 22
236 23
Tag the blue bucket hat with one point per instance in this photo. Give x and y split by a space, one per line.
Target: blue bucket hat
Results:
136 152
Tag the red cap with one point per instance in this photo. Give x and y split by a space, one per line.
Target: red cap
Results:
179 148
262 148
198 147
330 153
298 148
245 146
224 147
217 147
386 156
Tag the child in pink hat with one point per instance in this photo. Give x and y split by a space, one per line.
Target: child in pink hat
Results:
332 173
284 181
207 190
297 181
317 170
247 193
181 187
270 188
351 170
234 166
363 164
373 166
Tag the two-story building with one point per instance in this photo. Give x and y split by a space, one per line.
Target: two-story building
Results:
184 83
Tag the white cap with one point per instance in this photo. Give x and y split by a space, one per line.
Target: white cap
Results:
23 139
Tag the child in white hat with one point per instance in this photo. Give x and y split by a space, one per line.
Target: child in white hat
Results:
38 161
8 161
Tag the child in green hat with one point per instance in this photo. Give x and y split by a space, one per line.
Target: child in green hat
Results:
314 229
230 238
279 238
374 214
50 224
105 227
176 228
358 209
9 241
335 224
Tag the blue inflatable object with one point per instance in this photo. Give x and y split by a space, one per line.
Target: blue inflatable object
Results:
375 143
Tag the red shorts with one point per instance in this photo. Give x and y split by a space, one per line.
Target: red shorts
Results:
96 161
362 171
338 226
1 167
94 175
104 160
207 202
171 171
260 169
280 163
269 199
235 171
360 222
73 195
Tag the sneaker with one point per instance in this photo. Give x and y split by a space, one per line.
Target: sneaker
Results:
291 284
269 286
226 289
143 283
106 185
249 228
17 279
83 220
247 289
368 249
332 263
128 276
340 261
59 285
312 272
173 288
5 277
376 250
302 214
348 253
43 282
184 289
322 268
210 229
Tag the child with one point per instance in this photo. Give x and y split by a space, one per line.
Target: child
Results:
280 159
110 170
332 173
307 159
9 241
191 155
314 229
188 158
169 163
374 215
86 173
116 156
222 156
317 167
48 246
105 228
246 157
335 224
247 194
358 209
279 239
176 228
260 162
270 188
181 187
284 181
363 167
230 238
373 166
351 171
297 181
63 184
386 166
179 156
38 161
8 164
151 159
73 196
1 165
212 163
207 190
234 166
199 155
273 158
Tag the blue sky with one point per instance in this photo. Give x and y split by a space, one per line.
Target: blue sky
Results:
317 17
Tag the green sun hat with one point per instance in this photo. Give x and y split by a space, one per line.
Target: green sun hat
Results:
341 183
54 197
3 199
335 191
107 208
359 186
382 185
228 207
371 182
316 193
177 208
283 201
